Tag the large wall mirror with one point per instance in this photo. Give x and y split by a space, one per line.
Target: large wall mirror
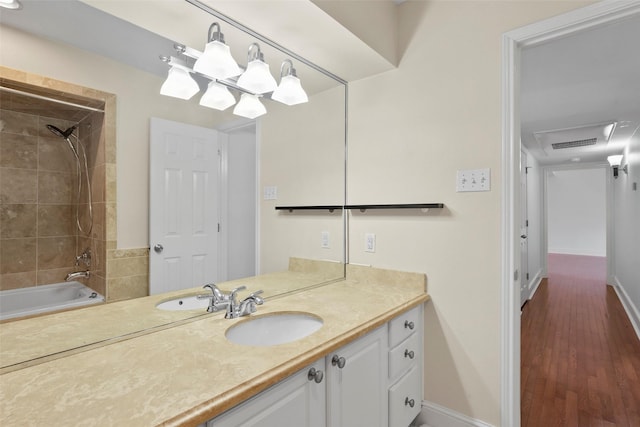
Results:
292 155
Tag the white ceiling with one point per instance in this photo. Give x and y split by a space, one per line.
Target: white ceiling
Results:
584 79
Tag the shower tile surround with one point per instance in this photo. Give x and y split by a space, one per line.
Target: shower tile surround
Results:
39 239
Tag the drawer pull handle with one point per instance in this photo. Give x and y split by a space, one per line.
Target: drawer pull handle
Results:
315 375
339 361
409 402
409 354
408 325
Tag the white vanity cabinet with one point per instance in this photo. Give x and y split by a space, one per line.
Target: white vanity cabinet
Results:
357 382
374 381
296 401
405 367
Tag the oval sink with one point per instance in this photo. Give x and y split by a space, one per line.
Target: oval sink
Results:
184 303
273 329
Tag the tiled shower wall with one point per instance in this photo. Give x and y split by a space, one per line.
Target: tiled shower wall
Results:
39 239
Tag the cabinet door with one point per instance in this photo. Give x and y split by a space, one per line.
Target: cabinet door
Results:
295 402
356 393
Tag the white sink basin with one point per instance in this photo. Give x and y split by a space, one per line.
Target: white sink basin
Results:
184 303
273 329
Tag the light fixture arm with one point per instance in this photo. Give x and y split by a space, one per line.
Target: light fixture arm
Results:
215 36
286 69
257 53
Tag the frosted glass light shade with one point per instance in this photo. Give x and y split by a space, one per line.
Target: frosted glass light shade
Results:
10 4
179 84
249 106
615 160
217 96
257 78
290 91
217 62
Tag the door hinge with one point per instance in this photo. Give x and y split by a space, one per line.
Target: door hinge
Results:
526 223
527 276
218 227
219 152
515 275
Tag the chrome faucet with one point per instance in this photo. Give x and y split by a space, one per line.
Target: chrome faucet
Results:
218 300
77 275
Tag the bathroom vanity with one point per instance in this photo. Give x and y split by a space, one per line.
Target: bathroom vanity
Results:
365 361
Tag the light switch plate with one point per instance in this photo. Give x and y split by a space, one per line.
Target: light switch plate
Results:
473 180
324 239
369 242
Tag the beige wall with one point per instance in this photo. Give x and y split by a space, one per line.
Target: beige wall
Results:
410 129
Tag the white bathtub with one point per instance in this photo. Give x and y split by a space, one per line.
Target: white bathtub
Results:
41 299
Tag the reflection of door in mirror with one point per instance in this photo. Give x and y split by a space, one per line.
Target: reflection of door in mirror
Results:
184 206
202 204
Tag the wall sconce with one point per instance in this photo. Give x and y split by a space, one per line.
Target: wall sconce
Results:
615 161
179 83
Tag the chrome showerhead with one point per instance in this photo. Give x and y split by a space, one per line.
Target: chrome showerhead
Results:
64 134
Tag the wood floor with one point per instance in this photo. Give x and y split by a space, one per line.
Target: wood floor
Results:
580 358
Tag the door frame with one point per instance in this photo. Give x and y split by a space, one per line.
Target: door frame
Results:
547 30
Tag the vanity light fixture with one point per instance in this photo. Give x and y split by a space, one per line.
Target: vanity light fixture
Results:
615 161
289 91
225 76
10 4
217 96
179 83
249 106
216 61
257 78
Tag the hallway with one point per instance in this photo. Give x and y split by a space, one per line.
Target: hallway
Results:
580 357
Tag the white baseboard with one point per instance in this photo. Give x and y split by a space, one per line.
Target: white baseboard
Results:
535 283
435 415
629 306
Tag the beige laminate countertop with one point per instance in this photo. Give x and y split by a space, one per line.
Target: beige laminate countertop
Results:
190 373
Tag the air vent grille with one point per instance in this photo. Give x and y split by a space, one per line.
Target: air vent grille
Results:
573 144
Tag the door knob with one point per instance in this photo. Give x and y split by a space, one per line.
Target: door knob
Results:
158 248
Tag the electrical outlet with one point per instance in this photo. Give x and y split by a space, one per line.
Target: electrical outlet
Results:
270 193
324 239
473 180
369 242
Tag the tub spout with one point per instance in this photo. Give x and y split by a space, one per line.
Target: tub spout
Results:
77 275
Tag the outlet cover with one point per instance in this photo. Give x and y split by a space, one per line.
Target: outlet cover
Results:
473 180
369 242
270 193
324 238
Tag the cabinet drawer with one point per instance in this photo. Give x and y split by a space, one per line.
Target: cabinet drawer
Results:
403 326
405 399
404 356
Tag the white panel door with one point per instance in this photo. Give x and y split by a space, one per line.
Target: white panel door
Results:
524 232
183 206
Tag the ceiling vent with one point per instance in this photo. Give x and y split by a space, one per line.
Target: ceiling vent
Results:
573 144
578 138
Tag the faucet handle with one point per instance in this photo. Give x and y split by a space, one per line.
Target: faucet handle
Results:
233 293
254 296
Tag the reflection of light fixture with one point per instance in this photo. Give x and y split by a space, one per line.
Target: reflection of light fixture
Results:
179 83
249 106
615 161
216 61
10 4
290 90
217 96
257 78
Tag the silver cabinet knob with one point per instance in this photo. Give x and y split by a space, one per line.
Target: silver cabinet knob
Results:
158 248
338 361
315 375
409 354
409 402
409 325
